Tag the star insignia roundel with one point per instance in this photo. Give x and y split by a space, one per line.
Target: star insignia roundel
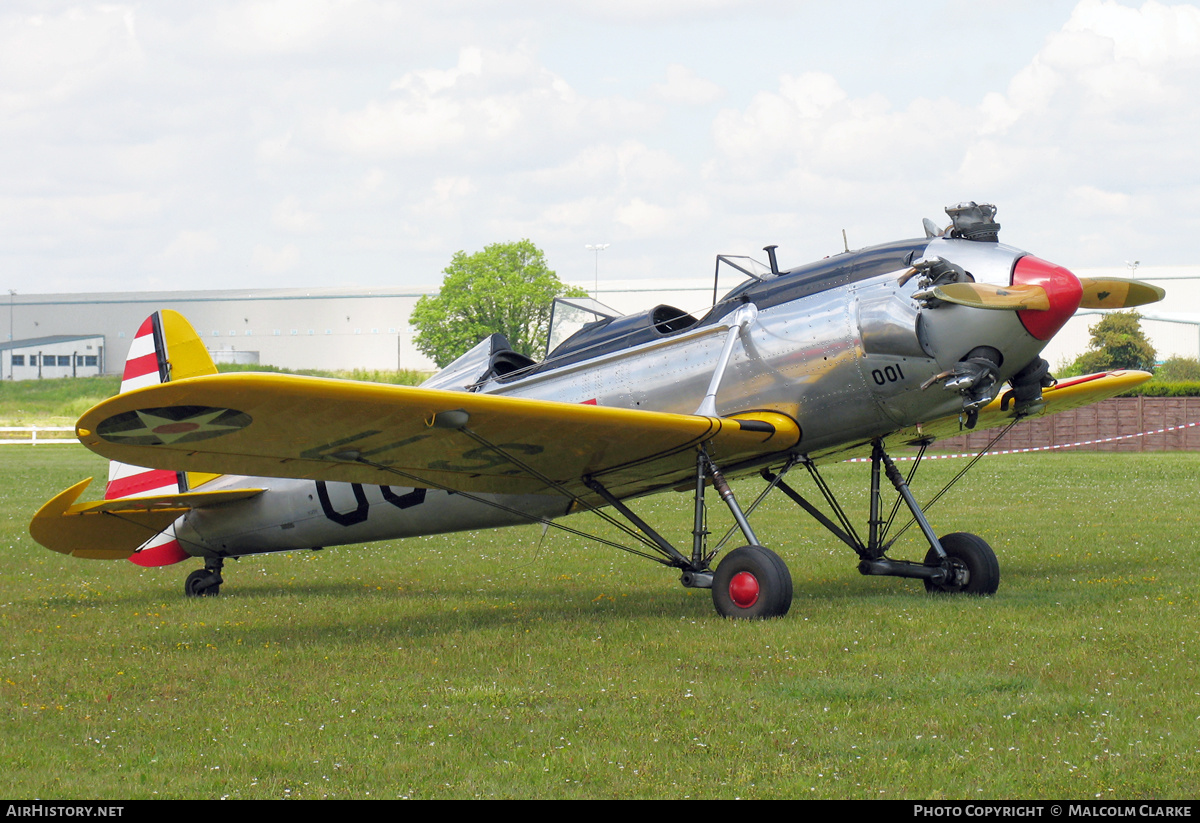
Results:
171 424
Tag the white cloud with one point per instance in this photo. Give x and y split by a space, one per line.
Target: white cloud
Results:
281 135
810 140
307 27
492 108
190 252
486 97
64 55
291 217
661 222
685 87
447 198
641 12
1153 34
1100 117
188 244
275 261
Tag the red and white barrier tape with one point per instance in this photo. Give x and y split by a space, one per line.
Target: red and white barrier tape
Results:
1050 448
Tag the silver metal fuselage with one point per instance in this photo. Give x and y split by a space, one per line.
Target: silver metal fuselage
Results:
847 362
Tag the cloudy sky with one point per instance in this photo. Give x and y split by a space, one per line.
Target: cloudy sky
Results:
271 143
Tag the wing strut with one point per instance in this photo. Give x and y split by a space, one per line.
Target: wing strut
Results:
649 538
741 320
661 542
696 570
958 476
532 518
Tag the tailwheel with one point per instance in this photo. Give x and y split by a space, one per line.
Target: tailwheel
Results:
752 583
203 583
971 565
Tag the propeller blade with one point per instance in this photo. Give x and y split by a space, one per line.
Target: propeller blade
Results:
999 298
1117 293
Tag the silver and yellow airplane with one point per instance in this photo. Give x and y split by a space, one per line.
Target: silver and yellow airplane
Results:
895 345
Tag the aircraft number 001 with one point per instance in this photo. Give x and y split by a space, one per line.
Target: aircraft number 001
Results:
887 375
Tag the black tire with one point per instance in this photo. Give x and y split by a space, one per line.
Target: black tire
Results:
970 557
199 584
752 583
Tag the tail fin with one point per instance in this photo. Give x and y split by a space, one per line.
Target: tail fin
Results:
138 501
165 348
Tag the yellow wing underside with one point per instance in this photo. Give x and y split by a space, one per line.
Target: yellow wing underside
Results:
301 427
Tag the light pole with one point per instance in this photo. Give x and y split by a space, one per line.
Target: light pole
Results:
1133 264
12 296
597 248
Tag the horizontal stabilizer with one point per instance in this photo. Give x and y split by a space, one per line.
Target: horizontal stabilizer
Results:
114 529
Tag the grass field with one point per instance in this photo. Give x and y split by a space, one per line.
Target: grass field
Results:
57 402
499 665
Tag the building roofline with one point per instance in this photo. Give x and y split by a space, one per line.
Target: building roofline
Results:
47 341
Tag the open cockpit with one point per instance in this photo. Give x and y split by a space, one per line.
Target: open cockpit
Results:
583 328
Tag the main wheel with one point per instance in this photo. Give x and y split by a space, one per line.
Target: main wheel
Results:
971 565
199 584
752 583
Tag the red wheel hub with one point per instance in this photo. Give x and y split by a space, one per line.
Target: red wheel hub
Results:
743 590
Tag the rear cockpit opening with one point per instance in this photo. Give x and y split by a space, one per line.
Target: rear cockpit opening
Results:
506 362
605 334
668 319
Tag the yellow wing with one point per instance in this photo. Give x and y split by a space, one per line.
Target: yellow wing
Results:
1071 393
303 427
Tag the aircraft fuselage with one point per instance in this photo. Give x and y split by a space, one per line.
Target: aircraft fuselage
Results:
842 346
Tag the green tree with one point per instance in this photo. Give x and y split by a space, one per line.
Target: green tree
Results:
505 288
1118 342
1178 370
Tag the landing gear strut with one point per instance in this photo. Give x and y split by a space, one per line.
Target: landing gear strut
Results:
755 582
750 583
956 563
205 582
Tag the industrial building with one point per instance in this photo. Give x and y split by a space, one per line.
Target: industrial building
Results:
369 329
290 328
54 356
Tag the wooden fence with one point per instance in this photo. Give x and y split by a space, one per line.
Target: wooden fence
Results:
1163 423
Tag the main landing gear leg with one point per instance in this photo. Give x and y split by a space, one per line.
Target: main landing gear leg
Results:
205 582
751 582
958 562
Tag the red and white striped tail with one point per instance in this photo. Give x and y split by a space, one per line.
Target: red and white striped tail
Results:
146 365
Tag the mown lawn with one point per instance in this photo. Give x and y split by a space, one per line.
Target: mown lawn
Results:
505 664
